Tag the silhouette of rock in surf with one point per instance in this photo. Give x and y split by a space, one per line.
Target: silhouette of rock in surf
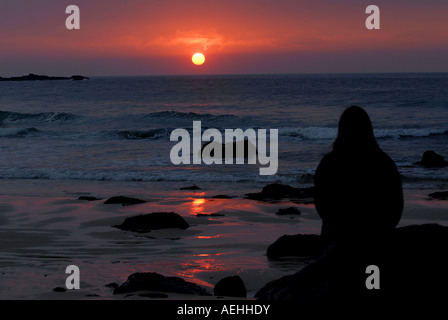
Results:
193 187
88 198
431 159
277 191
151 281
288 211
153 221
439 195
249 149
124 200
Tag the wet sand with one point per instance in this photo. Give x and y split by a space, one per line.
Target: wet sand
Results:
41 235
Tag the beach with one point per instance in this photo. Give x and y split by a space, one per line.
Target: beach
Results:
110 136
42 235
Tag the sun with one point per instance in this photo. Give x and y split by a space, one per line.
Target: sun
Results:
198 59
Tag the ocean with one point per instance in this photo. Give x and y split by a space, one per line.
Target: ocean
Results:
110 136
117 129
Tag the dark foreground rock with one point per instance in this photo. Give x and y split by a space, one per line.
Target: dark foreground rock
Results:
210 214
124 200
288 211
153 221
277 191
431 159
194 187
300 245
35 77
412 263
88 198
440 195
151 281
230 287
222 196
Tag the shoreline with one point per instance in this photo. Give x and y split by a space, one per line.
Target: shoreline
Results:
41 235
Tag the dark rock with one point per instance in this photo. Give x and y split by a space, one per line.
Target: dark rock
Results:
222 196
286 211
230 287
431 159
440 195
300 245
59 289
153 221
151 281
112 285
78 78
278 191
235 144
210 215
89 198
412 263
154 295
194 187
123 200
35 77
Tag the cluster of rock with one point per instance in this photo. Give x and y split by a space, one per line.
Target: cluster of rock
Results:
413 263
35 77
141 282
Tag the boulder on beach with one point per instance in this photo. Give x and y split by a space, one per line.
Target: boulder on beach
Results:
439 195
124 200
222 196
431 159
288 211
193 187
210 214
153 221
88 198
412 264
151 281
300 245
230 287
246 146
277 191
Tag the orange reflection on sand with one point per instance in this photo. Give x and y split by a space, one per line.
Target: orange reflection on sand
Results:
197 205
208 237
202 262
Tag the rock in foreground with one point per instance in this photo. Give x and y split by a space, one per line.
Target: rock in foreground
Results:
300 245
277 191
231 287
412 263
123 200
153 221
151 281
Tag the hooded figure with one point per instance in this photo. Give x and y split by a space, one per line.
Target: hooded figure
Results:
358 188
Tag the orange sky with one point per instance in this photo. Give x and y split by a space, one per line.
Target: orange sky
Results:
158 37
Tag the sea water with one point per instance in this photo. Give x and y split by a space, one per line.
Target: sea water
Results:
117 129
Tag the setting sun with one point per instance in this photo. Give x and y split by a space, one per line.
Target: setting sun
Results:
198 59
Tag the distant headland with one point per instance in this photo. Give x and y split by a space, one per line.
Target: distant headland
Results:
34 77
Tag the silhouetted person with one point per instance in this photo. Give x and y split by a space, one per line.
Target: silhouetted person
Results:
358 188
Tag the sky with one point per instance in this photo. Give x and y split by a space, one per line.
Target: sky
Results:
148 37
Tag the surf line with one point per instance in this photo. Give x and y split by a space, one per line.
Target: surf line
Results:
238 145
